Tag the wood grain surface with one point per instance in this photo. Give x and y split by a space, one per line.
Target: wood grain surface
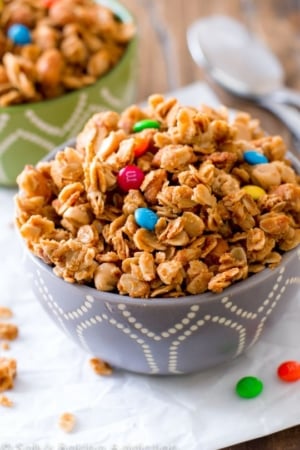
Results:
165 64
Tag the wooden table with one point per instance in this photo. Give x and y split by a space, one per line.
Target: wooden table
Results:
165 64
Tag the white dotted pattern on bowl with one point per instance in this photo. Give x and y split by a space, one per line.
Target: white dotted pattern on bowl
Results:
179 332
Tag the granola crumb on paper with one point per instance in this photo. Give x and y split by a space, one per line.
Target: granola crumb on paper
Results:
5 312
8 331
5 345
8 371
100 367
67 422
5 401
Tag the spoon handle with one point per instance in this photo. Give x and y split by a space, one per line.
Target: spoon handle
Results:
288 115
286 95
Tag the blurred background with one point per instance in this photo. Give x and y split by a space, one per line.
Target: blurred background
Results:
165 62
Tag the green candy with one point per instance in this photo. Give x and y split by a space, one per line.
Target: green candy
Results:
249 387
146 123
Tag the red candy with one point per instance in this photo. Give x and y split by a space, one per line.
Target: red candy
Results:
289 371
130 177
141 146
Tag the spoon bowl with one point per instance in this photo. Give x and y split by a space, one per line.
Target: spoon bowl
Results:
244 66
235 58
238 60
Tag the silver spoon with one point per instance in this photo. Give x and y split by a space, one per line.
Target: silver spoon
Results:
243 65
238 60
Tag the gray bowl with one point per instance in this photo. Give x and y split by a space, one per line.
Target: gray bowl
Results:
167 336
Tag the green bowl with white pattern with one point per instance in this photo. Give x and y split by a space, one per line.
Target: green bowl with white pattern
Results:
28 132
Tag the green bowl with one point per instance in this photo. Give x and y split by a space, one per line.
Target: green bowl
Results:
28 132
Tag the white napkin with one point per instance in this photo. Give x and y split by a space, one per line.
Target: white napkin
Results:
127 411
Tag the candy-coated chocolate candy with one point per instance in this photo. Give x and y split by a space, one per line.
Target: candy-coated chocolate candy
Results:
289 371
130 177
249 387
141 146
255 191
19 34
47 3
254 157
146 218
145 123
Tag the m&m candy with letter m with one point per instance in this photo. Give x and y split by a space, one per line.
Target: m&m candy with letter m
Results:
130 177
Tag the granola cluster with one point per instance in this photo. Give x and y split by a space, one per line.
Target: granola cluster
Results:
67 422
100 367
210 232
73 43
8 370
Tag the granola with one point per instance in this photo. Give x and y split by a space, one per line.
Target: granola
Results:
100 367
5 312
210 231
5 345
8 370
73 43
5 401
67 422
8 331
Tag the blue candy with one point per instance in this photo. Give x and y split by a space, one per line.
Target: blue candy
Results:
145 218
254 157
19 34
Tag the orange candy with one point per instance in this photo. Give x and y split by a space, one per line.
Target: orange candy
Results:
48 3
141 145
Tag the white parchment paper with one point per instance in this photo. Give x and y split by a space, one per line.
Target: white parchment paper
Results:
128 411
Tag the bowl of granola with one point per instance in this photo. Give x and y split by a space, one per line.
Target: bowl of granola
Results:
80 57
165 239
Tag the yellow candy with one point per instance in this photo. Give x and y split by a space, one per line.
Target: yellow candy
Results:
1 5
255 191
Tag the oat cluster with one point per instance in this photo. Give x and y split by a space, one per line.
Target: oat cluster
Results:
210 233
100 367
8 370
8 331
74 42
5 401
67 422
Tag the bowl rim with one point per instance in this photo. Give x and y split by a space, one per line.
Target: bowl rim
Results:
116 7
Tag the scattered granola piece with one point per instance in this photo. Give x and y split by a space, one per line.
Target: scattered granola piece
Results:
5 345
5 313
8 331
8 370
100 367
67 422
5 401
